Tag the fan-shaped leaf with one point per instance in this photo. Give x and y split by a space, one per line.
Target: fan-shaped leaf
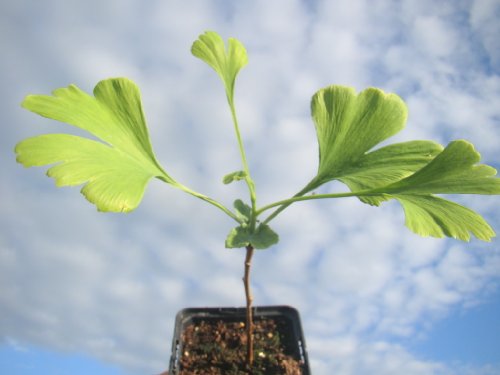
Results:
453 171
115 173
349 125
211 48
388 165
432 216
262 238
243 211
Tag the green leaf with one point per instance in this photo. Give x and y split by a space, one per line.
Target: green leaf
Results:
227 63
349 125
235 176
388 165
432 216
262 238
115 171
453 171
243 211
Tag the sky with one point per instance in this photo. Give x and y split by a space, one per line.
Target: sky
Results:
88 292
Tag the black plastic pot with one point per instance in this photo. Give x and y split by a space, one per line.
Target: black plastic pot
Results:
287 318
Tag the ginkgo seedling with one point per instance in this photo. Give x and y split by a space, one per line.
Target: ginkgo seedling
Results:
115 167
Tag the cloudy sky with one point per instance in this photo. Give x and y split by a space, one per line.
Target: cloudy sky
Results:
84 292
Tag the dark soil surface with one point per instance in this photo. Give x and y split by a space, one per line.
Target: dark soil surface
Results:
219 348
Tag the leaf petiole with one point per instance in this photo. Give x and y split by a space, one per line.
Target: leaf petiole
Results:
299 198
209 200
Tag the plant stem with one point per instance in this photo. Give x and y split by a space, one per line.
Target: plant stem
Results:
249 300
246 169
253 220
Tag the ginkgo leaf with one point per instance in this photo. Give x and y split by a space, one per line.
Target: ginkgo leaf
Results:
432 216
262 238
349 125
453 171
234 176
388 165
115 171
243 211
210 48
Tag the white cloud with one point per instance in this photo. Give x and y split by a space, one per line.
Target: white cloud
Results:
482 18
434 37
350 356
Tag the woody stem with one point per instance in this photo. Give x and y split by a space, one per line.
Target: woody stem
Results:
249 300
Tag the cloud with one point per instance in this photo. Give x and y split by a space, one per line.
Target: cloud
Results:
482 16
110 285
355 357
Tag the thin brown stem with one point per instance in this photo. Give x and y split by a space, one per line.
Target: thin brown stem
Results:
249 300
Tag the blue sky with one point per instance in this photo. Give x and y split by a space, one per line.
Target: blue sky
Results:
469 336
86 292
15 360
